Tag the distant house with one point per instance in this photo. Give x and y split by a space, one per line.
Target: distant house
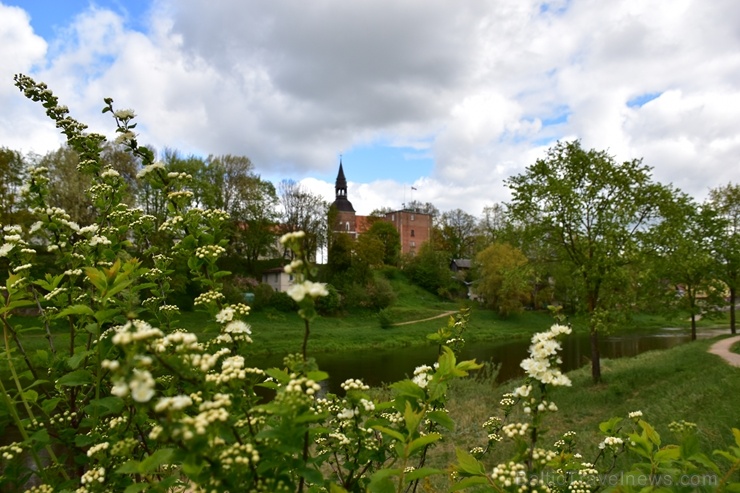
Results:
277 278
460 265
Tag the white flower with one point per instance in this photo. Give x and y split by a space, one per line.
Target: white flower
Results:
6 248
125 114
225 315
142 386
289 236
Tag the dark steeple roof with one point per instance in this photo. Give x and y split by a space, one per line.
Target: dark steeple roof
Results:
340 188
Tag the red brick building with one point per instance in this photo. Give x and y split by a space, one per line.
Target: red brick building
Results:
414 228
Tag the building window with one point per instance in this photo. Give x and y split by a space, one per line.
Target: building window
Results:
412 217
393 217
412 232
413 244
347 225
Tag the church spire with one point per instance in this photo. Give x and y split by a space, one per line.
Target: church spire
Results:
340 189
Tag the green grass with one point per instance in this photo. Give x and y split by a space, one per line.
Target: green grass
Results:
735 348
682 383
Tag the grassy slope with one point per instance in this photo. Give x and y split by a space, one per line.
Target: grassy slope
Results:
683 383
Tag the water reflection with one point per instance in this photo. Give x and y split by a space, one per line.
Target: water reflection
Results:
384 366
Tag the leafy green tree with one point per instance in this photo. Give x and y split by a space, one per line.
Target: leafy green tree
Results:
593 210
725 201
255 226
458 232
430 269
12 172
685 260
504 278
388 235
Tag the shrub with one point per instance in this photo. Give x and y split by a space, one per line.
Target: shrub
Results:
330 304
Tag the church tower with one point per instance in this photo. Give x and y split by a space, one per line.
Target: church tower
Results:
346 218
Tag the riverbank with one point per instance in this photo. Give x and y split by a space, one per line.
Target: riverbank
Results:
683 383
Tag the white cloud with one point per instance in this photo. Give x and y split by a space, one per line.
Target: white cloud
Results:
482 87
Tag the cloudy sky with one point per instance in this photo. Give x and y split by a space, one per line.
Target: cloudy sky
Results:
449 98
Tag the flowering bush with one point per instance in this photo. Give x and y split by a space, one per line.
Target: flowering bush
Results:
122 399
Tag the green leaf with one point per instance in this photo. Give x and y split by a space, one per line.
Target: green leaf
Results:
279 375
151 463
105 406
391 433
469 465
736 433
422 441
412 418
75 378
468 482
650 432
610 427
48 405
74 361
422 472
689 446
129 467
668 454
409 389
442 418
380 482
317 376
30 395
76 310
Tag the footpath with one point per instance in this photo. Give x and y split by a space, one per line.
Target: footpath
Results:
722 349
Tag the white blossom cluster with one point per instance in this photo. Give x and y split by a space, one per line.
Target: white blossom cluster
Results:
174 403
422 375
208 297
299 291
98 447
296 235
354 384
543 355
513 430
141 386
171 224
135 331
150 169
614 443
636 415
239 455
216 214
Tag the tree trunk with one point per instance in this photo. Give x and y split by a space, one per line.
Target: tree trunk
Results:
733 296
595 357
693 326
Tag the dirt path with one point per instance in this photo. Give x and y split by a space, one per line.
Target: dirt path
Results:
445 314
722 349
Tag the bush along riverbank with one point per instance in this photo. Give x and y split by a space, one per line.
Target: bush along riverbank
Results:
133 402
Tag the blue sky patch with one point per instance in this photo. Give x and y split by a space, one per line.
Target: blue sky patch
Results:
642 99
366 164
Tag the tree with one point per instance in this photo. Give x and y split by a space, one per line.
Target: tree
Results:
12 172
255 222
593 211
422 208
67 187
725 201
304 211
685 260
430 269
458 232
388 235
504 278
